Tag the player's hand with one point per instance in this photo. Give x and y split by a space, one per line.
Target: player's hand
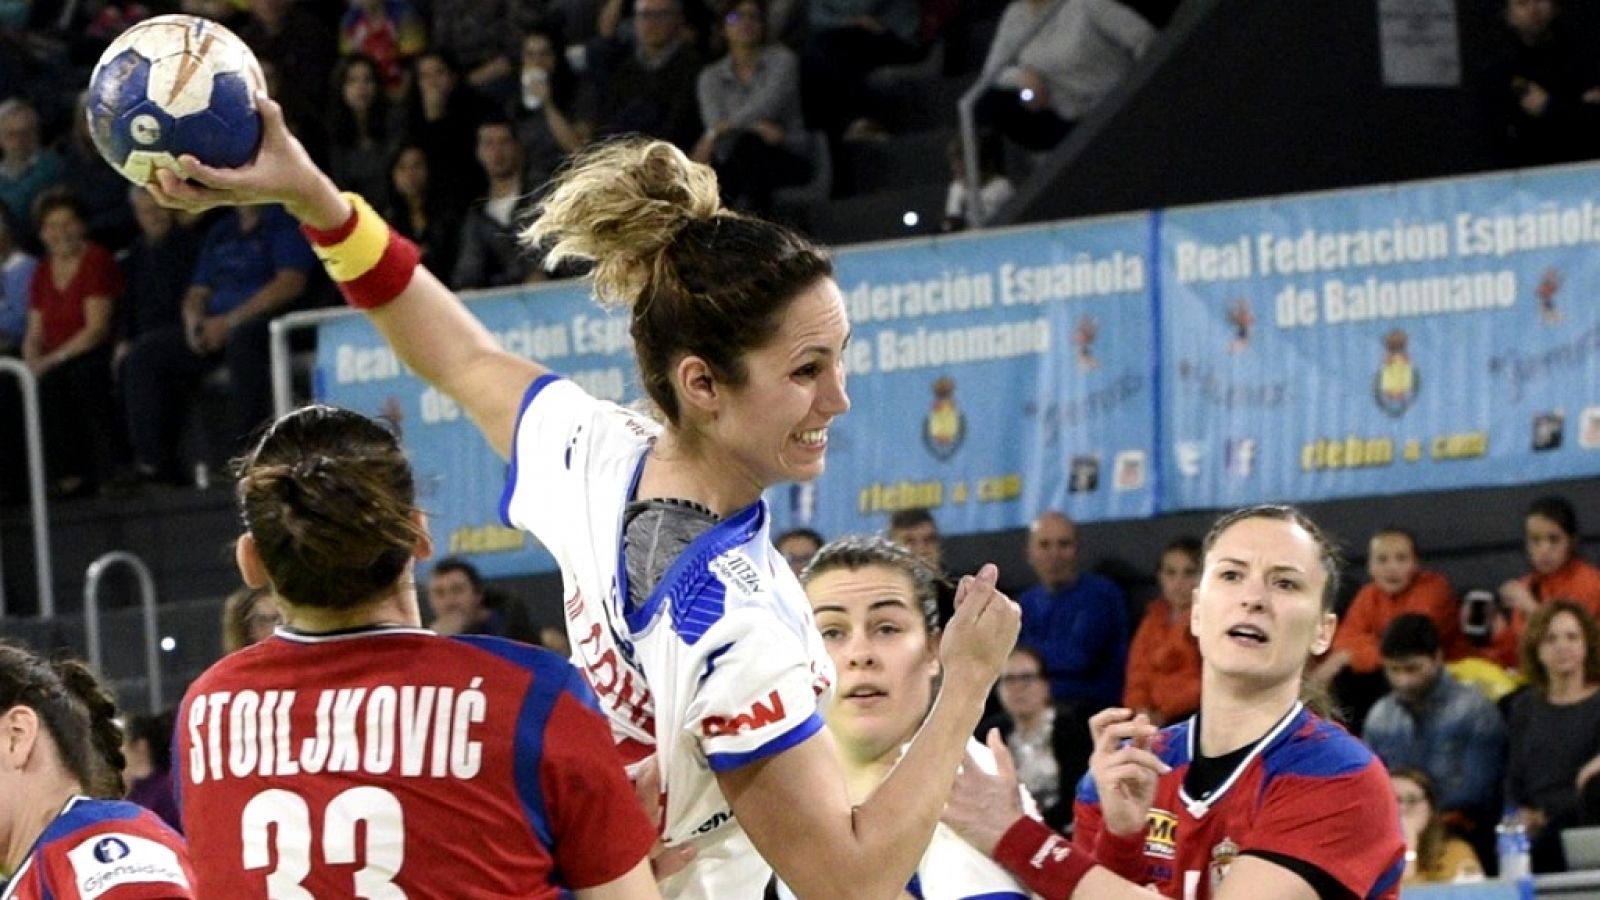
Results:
1516 595
282 172
983 806
982 632
1125 770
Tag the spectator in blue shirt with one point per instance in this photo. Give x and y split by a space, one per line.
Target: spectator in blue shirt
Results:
27 167
16 270
253 263
1077 621
1431 721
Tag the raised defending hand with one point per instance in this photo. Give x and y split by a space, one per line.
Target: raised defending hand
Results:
282 172
1125 770
982 804
983 630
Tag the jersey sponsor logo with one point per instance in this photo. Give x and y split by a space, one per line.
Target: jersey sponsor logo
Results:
1054 849
758 716
1161 834
107 861
617 682
722 818
736 570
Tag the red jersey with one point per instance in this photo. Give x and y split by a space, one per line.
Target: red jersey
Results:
360 762
104 850
1308 791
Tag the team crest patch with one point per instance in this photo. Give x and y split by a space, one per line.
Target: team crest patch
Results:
945 427
1223 853
106 861
1161 834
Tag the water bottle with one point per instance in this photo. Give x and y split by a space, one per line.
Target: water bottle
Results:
1512 846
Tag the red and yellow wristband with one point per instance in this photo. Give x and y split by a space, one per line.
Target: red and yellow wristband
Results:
369 261
1043 860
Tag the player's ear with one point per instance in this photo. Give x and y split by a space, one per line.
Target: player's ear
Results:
19 732
424 548
696 384
251 569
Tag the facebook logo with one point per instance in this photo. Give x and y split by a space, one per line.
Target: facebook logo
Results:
1240 459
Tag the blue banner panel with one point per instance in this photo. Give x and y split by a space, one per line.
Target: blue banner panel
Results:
991 376
1421 337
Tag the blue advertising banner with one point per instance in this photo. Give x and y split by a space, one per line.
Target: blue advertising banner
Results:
991 376
1420 337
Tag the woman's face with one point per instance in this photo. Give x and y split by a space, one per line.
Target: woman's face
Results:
743 25
62 231
1562 649
434 78
1392 562
360 86
411 172
1258 611
538 53
1178 575
774 427
886 658
1024 689
1414 808
1549 547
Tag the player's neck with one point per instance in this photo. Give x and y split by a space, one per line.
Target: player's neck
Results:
397 606
1236 715
35 813
678 469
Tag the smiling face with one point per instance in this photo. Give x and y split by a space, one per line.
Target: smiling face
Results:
774 427
1391 561
1258 611
886 658
1549 546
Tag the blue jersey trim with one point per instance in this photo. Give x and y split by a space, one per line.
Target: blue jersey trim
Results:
510 488
996 895
552 676
697 596
1328 752
1389 878
727 762
914 886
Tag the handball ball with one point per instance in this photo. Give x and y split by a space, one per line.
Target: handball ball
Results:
173 85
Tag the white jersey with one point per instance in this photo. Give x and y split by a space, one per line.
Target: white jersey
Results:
722 666
951 868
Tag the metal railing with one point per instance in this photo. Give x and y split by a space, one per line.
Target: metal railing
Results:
38 503
147 600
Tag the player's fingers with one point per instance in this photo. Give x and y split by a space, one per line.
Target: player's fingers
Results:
1004 765
1104 719
665 863
1129 755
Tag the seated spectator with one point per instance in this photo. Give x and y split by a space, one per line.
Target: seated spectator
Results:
459 602
553 112
416 208
71 299
300 45
442 117
1555 727
1551 536
1433 855
848 40
798 546
390 33
1049 741
1164 660
27 167
1354 667
147 765
156 268
100 188
994 189
249 616
916 530
1077 621
361 132
647 86
16 271
1046 74
755 133
491 252
253 263
1432 722
1541 95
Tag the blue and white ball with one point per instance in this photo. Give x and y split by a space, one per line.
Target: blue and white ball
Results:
173 85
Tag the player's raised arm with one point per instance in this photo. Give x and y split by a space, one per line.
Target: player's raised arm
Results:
376 269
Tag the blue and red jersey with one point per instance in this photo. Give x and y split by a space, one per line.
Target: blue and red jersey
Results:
1308 792
338 764
104 850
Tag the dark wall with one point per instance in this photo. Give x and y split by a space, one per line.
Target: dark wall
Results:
1247 98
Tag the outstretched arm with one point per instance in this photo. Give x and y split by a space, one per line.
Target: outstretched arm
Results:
426 324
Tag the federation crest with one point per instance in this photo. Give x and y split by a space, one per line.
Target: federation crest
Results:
1549 286
1395 387
945 427
1243 320
1223 853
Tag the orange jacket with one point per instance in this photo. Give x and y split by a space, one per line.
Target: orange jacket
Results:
1361 629
1576 580
1163 665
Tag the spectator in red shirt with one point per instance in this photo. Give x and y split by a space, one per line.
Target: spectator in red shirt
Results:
1164 661
1550 533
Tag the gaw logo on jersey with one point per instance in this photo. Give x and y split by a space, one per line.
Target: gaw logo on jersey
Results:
1161 835
106 861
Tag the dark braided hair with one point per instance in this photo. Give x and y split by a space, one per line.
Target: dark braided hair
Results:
74 708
